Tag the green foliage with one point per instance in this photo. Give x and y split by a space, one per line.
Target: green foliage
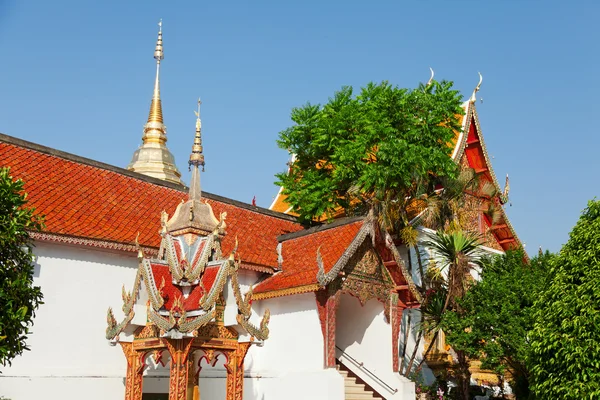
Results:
18 297
356 150
454 251
497 312
565 340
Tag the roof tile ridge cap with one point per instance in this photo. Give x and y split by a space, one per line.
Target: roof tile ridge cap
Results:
320 228
462 143
46 234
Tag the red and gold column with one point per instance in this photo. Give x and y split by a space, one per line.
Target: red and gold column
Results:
395 321
178 381
135 371
327 306
235 371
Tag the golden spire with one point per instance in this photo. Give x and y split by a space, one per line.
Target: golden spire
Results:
153 158
196 158
155 107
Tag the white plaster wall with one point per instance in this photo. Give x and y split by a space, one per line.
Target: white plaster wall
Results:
290 365
363 334
296 340
70 356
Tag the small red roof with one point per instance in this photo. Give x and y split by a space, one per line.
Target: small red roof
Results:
170 292
87 199
300 256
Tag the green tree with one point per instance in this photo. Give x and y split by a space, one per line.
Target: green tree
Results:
565 340
496 315
356 152
18 297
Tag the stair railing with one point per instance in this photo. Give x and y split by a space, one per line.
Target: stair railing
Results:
361 365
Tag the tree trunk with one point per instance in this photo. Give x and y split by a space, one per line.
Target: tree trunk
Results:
414 354
421 269
406 333
433 339
463 375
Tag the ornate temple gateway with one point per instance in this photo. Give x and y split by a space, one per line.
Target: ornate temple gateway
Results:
187 301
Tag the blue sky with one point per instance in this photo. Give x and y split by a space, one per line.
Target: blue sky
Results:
78 76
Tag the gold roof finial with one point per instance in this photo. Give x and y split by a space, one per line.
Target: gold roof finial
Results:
196 158
474 95
195 215
153 158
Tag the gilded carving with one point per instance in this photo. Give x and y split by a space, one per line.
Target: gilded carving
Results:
261 332
216 331
147 332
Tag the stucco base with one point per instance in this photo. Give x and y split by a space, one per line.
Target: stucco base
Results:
89 388
322 385
319 385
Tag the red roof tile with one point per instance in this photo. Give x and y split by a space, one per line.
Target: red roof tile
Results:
86 199
300 257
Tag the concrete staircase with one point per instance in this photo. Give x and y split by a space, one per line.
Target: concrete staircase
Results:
355 388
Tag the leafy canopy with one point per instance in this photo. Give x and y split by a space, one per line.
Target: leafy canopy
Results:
18 297
374 146
496 314
566 336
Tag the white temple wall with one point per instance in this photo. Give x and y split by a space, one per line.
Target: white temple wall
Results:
290 365
363 336
70 356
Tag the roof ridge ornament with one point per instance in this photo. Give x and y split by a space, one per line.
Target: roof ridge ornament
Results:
196 158
430 78
474 95
504 195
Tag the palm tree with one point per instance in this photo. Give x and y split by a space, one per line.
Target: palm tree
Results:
455 252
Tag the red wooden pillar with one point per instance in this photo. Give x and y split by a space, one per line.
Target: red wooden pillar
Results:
327 305
395 321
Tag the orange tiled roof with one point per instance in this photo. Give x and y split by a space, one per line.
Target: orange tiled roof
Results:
299 255
85 199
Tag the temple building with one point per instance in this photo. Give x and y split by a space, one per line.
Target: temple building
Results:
154 290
